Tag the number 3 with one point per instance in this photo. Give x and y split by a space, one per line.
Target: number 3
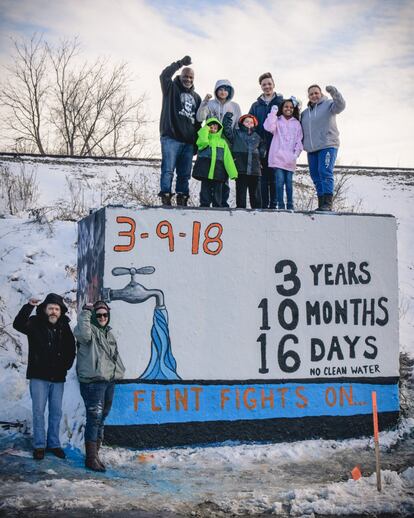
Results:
126 233
288 277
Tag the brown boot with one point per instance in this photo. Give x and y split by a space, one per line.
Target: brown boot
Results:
91 460
98 447
39 453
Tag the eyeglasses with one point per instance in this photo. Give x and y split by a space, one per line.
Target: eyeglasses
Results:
101 315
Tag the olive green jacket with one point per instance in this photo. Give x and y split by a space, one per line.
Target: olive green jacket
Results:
98 358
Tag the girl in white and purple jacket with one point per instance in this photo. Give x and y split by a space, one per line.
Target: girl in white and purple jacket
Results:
285 148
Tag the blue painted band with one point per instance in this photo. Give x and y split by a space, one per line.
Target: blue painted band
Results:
144 403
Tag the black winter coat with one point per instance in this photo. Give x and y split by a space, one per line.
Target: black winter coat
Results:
51 348
247 148
179 107
261 110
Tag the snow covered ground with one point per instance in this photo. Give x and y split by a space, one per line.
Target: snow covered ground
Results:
308 478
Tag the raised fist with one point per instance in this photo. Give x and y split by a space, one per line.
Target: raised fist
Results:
208 97
34 301
330 89
275 109
186 61
88 306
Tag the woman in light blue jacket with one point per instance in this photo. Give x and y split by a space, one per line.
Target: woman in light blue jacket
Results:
321 140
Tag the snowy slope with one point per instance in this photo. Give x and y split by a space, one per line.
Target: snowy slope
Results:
295 479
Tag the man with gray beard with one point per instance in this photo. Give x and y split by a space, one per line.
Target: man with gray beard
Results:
51 355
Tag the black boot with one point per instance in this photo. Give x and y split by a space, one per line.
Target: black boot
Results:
182 199
91 460
320 203
327 203
166 198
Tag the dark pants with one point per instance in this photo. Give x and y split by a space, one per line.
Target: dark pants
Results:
247 182
211 193
98 398
268 186
225 194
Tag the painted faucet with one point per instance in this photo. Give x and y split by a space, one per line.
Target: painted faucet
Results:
162 364
134 292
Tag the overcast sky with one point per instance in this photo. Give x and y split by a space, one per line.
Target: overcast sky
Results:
364 47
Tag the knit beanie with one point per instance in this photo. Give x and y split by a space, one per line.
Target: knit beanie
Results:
100 304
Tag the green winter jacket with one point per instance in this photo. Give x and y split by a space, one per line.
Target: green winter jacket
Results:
214 158
98 358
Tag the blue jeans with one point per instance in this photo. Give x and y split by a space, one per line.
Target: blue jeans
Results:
42 391
98 398
284 181
176 156
321 165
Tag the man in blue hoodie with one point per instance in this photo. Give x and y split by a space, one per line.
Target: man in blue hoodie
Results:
178 129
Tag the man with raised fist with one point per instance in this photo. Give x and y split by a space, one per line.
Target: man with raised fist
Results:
51 355
178 129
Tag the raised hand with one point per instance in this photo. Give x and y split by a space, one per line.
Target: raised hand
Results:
208 97
33 301
186 61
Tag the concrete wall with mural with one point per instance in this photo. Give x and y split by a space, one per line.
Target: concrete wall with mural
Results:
246 325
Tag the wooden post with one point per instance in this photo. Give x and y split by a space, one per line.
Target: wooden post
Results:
377 455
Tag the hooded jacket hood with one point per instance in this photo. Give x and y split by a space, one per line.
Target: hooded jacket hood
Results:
321 100
52 298
319 123
224 82
216 108
100 304
246 116
220 125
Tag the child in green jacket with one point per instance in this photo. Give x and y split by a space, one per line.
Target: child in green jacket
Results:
214 163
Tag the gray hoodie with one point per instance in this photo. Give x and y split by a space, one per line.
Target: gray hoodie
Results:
319 123
214 108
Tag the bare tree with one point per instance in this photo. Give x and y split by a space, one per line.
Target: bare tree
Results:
25 93
86 110
69 97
